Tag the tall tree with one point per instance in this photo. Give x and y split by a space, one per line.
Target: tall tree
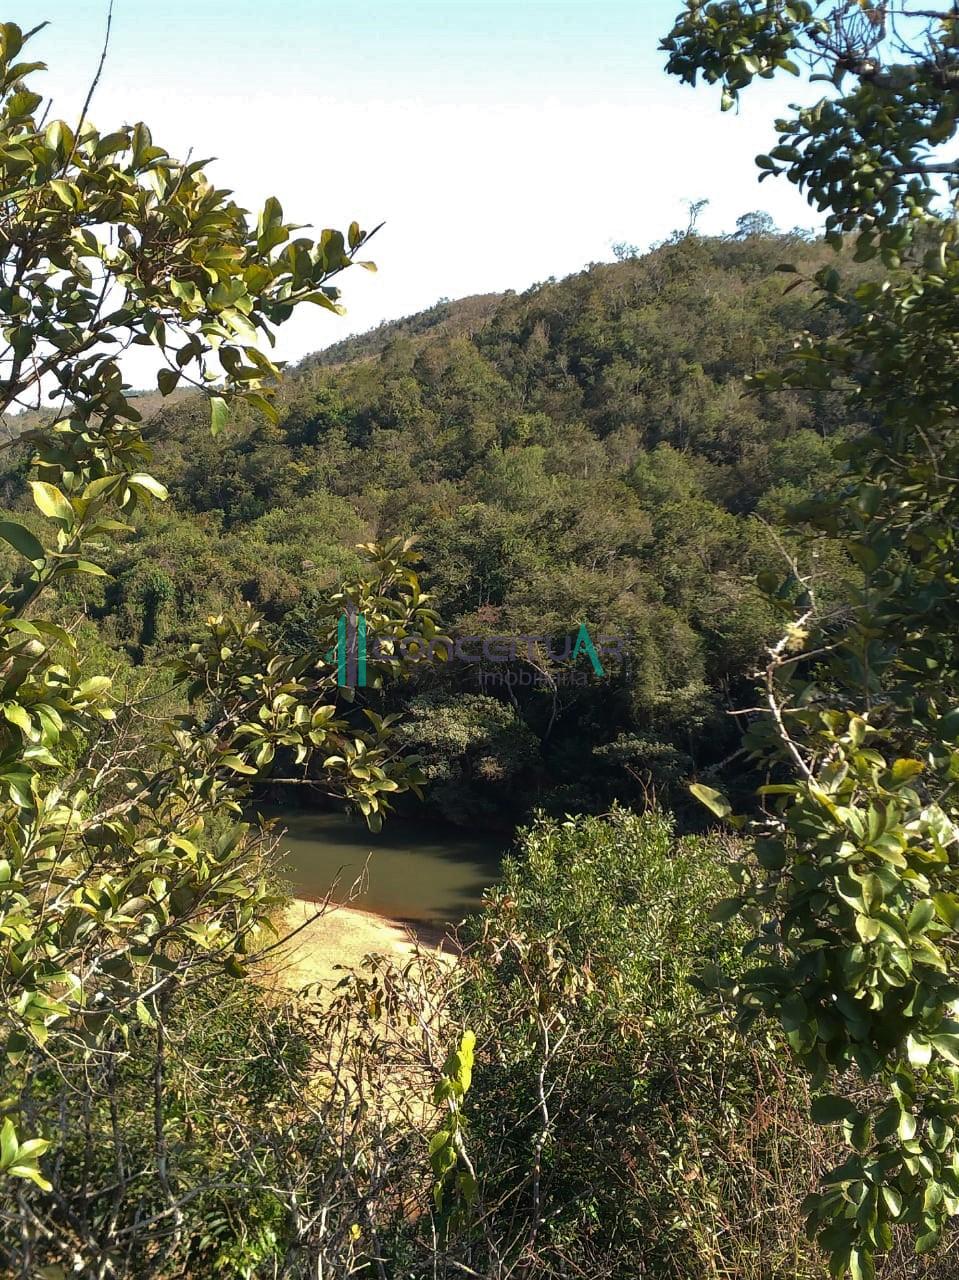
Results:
125 871
855 894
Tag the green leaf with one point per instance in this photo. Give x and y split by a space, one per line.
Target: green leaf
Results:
438 1141
51 501
187 292
948 726
20 786
947 1045
921 915
219 414
947 907
65 192
8 1143
829 1108
19 716
92 689
918 1051
97 488
144 483
269 411
905 769
22 540
31 1172
711 798
861 1265
893 1200
868 928
865 556
87 566
237 764
726 909
928 1240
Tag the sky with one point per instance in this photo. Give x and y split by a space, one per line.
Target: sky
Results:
501 142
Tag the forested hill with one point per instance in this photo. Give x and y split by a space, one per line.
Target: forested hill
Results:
465 315
581 452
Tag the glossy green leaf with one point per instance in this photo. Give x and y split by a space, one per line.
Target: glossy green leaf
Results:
219 414
712 799
51 501
22 540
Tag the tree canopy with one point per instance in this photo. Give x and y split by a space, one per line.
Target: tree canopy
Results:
854 895
127 874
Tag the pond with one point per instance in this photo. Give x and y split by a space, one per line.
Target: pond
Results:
418 872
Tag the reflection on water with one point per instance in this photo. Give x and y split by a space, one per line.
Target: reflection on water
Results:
416 871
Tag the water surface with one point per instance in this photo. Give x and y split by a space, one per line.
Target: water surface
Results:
415 871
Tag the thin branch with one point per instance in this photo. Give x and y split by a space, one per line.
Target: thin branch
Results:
95 82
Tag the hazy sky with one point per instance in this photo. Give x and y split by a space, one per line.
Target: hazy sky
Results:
502 141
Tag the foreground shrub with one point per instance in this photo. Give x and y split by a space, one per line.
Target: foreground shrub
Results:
606 1124
619 1127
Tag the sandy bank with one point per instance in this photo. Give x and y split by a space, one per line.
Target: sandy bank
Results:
341 936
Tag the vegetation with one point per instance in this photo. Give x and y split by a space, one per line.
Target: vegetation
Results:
128 879
854 895
582 453
624 1072
646 1144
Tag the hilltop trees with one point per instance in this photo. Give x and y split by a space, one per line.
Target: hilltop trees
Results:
855 898
628 484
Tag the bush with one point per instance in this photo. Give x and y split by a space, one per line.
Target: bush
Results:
618 1125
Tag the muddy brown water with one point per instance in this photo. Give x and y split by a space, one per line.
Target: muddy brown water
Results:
416 872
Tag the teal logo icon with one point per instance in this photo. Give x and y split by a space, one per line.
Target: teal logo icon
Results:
584 644
350 650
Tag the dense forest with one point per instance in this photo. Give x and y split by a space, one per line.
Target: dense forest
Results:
706 1023
582 453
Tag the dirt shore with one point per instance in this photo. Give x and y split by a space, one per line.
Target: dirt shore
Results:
340 937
